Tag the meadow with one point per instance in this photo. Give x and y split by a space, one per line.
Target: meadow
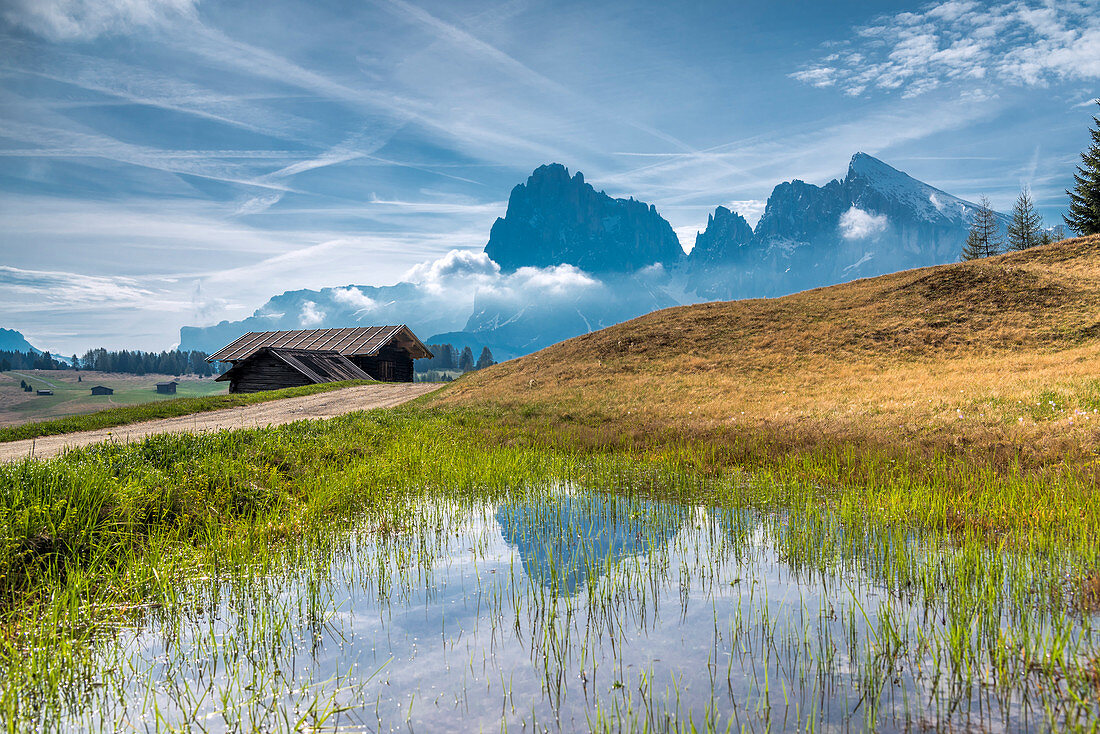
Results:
868 507
215 398
72 397
330 573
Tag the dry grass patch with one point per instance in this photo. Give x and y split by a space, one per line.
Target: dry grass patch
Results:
999 357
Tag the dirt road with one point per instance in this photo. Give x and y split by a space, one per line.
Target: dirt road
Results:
276 412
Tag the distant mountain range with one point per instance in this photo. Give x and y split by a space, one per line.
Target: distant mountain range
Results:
567 259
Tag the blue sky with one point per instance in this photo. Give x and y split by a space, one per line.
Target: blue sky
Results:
172 162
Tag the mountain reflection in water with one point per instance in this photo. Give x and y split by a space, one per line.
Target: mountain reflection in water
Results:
565 541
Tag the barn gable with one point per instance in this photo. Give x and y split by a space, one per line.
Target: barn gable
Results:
271 368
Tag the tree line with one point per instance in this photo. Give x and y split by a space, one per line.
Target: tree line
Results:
13 360
448 358
1025 228
127 361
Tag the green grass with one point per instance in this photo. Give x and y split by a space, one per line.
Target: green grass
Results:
169 408
999 557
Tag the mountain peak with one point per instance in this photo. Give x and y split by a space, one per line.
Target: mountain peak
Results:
554 219
867 166
551 173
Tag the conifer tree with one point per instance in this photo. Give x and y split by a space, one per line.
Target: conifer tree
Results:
1026 228
1084 200
984 239
466 361
486 359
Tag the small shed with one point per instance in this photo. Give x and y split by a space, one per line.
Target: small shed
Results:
101 390
272 368
167 388
384 353
45 392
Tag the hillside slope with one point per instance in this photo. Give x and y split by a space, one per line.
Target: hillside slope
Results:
1001 353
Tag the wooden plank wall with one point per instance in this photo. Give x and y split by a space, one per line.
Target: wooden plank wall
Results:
266 372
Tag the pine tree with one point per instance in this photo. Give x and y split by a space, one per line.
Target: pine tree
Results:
984 239
466 361
486 359
1084 200
1026 228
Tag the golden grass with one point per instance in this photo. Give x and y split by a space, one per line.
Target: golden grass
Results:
999 358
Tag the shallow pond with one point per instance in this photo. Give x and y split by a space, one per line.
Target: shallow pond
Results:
575 611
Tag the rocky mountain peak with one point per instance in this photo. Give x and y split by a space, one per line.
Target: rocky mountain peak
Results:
554 219
726 232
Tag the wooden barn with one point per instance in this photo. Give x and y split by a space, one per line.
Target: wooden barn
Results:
167 388
269 360
101 390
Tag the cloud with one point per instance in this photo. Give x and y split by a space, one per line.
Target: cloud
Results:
257 204
311 315
856 224
65 20
464 268
750 209
965 44
558 280
57 289
354 298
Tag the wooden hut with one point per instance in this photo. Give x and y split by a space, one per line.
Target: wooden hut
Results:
167 388
101 390
384 353
272 368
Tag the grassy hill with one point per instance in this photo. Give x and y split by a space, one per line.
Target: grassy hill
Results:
1000 357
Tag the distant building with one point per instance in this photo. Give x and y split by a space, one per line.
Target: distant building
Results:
269 360
167 388
101 390
45 392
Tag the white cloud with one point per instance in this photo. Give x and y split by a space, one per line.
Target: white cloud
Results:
558 280
750 209
354 298
44 289
960 42
820 76
458 268
63 20
856 224
258 204
311 315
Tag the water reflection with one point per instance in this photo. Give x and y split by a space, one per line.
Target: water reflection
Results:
570 613
563 542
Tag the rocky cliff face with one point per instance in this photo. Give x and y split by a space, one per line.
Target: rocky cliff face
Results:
875 220
555 219
726 233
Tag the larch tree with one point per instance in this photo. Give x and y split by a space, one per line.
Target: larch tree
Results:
1026 228
984 239
1084 200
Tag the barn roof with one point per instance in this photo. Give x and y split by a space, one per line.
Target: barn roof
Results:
360 341
327 366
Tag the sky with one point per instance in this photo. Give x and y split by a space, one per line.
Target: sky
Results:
177 162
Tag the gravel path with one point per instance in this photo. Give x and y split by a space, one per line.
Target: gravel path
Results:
274 413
